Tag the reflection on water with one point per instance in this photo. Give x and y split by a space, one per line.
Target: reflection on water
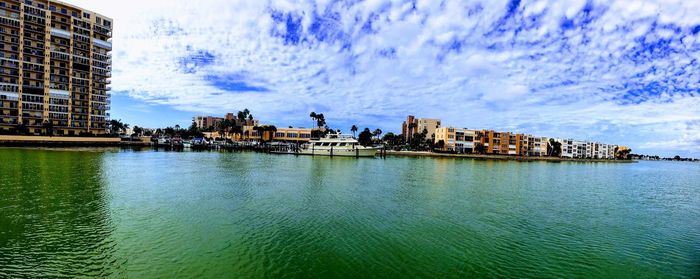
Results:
184 214
55 215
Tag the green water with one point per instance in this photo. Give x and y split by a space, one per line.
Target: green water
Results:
149 214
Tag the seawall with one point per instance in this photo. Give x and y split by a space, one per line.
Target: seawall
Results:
501 157
57 141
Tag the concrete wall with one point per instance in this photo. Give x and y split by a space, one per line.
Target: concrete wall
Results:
5 138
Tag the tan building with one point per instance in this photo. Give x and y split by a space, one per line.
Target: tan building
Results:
293 134
55 66
414 125
503 143
429 125
460 140
206 122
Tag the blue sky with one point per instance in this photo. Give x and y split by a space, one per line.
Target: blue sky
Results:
622 72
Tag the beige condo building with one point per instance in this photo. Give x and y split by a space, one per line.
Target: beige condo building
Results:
55 65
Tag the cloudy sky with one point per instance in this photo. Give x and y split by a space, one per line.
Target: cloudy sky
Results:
624 72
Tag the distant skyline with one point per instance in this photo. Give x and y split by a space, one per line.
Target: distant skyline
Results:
621 72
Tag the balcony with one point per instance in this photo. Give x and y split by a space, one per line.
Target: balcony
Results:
10 96
102 44
60 33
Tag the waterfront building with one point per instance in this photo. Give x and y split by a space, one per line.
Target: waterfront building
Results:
571 148
460 140
207 122
55 65
293 134
212 122
537 146
429 125
414 125
503 143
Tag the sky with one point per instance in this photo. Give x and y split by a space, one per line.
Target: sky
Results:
619 72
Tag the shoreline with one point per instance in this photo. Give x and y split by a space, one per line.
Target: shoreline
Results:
61 141
499 157
47 142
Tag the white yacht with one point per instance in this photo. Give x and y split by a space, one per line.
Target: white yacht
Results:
337 145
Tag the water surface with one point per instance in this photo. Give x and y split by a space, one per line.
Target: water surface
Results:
112 213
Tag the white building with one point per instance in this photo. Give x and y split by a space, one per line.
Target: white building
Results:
537 146
571 148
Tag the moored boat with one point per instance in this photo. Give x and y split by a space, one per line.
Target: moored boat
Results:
337 145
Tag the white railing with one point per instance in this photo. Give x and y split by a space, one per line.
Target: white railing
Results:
12 96
102 44
60 33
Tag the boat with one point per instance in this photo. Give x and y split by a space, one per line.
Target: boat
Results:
177 142
187 144
163 142
337 145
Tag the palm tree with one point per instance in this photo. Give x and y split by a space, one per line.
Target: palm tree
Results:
313 116
138 130
320 120
353 129
377 132
116 126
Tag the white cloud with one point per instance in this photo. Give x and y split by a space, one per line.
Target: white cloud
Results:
463 61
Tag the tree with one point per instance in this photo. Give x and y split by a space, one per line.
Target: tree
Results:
411 126
48 126
117 126
320 120
263 130
479 148
393 141
353 129
170 131
440 144
365 137
622 153
313 116
554 148
22 129
377 132
138 130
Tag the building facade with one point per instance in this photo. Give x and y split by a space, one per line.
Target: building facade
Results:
504 143
293 134
55 65
537 146
206 122
413 125
429 125
571 148
212 122
460 140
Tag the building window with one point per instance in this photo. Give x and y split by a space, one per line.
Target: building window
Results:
64 11
52 8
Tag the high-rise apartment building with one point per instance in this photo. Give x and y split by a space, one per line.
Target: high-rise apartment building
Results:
55 65
414 125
